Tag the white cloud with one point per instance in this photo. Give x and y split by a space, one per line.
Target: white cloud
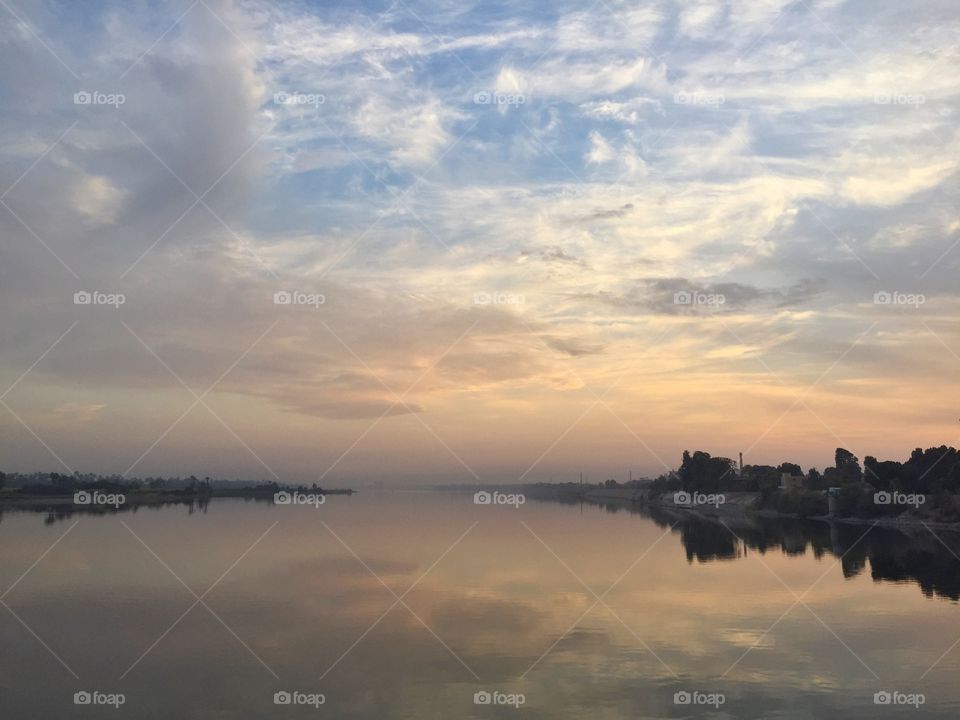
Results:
415 132
583 80
878 180
700 19
97 199
600 150
616 188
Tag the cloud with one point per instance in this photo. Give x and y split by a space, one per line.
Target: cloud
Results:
780 182
891 181
77 412
554 254
97 199
700 19
573 347
614 214
624 159
580 81
673 296
415 131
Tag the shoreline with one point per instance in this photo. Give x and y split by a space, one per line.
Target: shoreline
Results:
739 504
11 500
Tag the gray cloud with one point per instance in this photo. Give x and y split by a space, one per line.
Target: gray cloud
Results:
796 199
665 295
614 214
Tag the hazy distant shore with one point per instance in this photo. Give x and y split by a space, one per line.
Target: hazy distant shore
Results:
14 498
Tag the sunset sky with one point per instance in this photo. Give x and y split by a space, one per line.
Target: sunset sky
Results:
501 206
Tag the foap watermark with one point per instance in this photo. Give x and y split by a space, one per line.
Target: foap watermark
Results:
694 299
95 697
296 697
498 298
895 697
493 97
285 97
495 697
296 297
696 697
82 297
899 298
692 499
898 498
701 99
95 97
95 497
295 497
498 498
898 98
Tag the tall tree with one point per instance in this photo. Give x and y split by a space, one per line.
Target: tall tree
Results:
848 465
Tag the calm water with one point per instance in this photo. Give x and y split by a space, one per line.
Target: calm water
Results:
506 609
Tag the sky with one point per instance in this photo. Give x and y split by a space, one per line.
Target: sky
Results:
475 242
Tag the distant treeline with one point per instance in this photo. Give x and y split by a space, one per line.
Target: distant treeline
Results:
926 471
41 479
933 473
57 484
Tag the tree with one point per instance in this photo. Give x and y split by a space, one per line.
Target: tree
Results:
62 482
848 466
952 485
930 470
706 474
790 469
815 480
3 480
759 478
884 475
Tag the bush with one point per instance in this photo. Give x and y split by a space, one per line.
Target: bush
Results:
804 503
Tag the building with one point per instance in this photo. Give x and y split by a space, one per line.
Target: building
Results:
792 482
833 503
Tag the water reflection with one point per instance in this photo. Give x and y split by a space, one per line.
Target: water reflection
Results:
690 607
910 554
59 510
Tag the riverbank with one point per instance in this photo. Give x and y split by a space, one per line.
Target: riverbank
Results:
139 497
747 503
